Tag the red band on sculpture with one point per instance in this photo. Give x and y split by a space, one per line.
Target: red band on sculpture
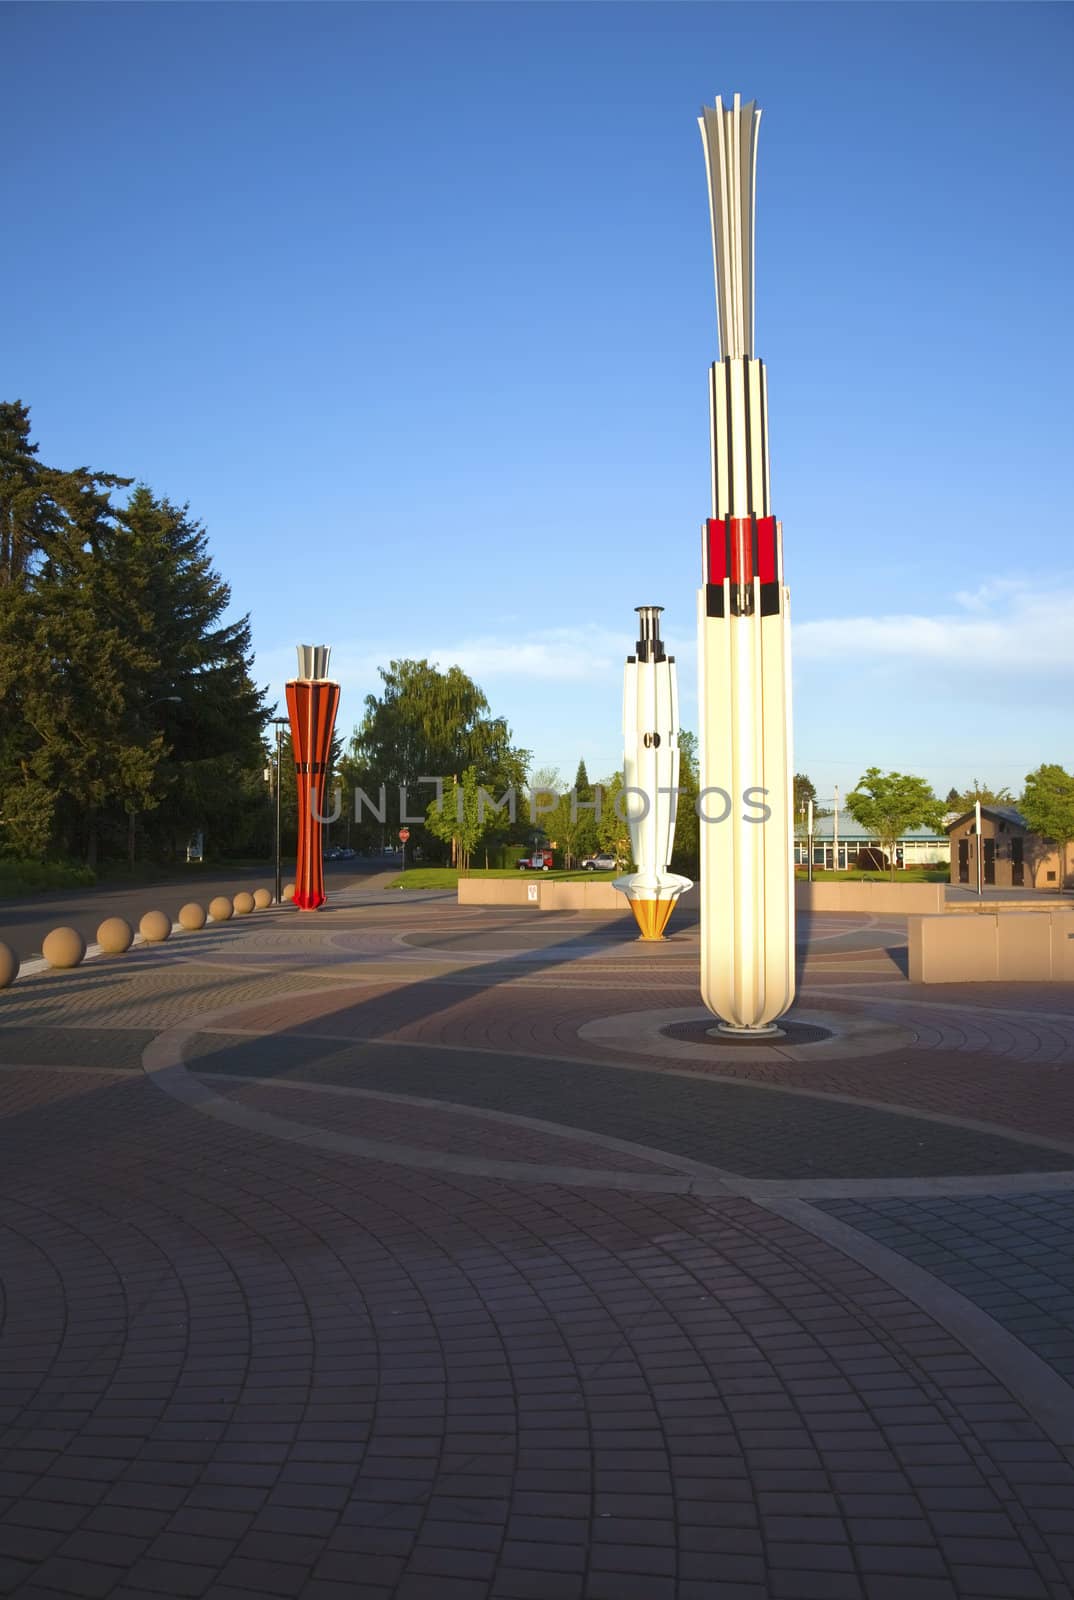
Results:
717 550
766 550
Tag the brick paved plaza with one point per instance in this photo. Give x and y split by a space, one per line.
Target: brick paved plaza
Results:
411 1252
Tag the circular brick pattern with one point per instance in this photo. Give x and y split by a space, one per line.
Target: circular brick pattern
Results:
239 1361
247 1367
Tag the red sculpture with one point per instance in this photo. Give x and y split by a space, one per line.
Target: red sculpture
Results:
312 699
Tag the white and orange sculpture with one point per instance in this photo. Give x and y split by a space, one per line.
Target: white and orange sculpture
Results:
747 874
651 776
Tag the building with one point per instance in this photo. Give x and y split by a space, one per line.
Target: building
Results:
1011 856
850 845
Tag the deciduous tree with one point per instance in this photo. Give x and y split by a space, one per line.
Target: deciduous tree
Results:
1048 806
457 818
966 799
889 804
686 851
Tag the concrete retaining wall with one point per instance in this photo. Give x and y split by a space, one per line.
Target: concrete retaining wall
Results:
993 947
890 899
498 891
582 896
542 894
553 894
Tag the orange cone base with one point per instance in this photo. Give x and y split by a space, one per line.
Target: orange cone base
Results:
310 901
652 917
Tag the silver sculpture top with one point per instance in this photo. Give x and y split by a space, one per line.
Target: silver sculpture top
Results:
650 646
730 141
313 661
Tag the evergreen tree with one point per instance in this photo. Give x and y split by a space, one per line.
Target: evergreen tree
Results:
124 693
74 743
804 791
200 692
35 500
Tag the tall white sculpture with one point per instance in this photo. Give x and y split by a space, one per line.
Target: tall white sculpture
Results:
747 874
651 776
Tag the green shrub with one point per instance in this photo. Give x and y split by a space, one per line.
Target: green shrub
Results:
31 877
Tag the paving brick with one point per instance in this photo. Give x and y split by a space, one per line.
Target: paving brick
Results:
332 1362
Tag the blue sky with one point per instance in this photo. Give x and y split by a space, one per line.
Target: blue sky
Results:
414 305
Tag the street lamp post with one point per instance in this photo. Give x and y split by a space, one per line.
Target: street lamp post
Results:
279 723
809 841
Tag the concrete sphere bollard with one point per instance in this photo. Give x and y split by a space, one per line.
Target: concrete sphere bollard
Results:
115 935
243 903
220 908
191 916
155 927
63 947
9 965
288 892
262 899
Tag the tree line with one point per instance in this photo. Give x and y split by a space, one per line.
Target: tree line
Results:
437 723
129 716
891 804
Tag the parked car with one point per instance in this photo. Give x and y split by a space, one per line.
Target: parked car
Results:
600 863
539 861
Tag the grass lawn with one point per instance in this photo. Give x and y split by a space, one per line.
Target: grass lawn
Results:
448 877
939 874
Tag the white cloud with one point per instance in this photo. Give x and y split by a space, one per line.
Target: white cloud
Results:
1006 624
579 654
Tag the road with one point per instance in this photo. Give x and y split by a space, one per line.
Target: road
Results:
26 919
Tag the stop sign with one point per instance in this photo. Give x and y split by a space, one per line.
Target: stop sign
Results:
404 834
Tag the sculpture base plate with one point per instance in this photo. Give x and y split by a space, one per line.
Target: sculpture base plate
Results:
704 1033
724 1030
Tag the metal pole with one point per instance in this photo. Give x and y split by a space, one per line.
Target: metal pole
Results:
279 787
809 841
835 831
980 864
